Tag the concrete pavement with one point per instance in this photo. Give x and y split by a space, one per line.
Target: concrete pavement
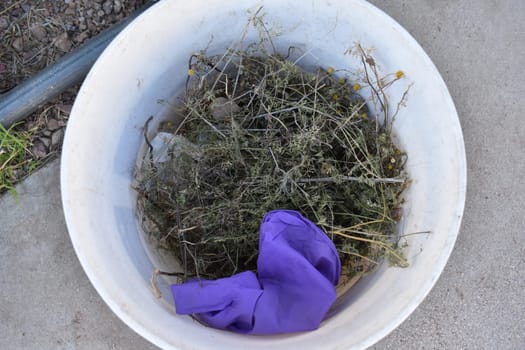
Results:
47 302
479 301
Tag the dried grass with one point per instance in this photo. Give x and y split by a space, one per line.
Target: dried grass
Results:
259 133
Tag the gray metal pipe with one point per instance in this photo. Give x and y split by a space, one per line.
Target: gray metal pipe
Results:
28 96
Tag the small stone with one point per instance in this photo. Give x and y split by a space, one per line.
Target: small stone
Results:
92 27
107 7
70 11
52 124
46 141
38 32
4 23
117 6
46 133
71 27
39 150
63 43
65 109
68 1
89 13
28 55
100 13
222 108
16 174
82 36
18 44
57 138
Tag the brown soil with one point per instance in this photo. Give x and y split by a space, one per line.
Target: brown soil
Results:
33 35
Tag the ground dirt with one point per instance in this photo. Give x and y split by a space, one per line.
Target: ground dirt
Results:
33 35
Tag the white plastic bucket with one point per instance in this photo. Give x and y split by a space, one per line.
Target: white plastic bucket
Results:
148 62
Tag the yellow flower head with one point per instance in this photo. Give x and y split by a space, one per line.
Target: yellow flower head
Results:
330 70
364 115
342 80
400 74
191 72
335 97
356 87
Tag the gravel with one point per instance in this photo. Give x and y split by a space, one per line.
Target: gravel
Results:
33 35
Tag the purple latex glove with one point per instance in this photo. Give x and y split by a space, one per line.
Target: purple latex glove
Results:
298 269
